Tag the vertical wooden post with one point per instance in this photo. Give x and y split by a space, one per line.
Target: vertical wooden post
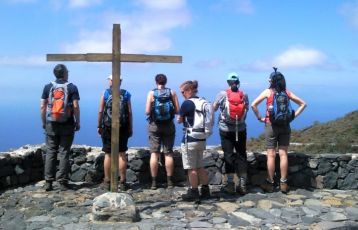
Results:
116 70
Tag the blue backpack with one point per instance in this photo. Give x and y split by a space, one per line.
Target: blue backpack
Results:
162 107
123 109
281 112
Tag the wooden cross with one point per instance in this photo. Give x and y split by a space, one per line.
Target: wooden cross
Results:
116 58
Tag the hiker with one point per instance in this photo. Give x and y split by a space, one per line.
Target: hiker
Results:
192 148
233 104
278 116
104 128
161 106
60 116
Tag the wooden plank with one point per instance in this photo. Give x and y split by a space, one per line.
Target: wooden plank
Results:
104 57
115 135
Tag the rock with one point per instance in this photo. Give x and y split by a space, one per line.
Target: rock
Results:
115 207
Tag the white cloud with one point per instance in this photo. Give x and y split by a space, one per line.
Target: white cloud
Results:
292 58
163 4
83 3
23 61
143 30
350 11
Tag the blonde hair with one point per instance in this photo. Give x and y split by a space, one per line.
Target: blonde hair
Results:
190 85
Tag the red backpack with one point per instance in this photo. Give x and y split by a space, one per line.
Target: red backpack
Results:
234 106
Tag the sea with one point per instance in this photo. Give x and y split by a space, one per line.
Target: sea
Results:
21 123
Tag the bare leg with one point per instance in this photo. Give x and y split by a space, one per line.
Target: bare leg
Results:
282 150
107 167
193 178
203 176
271 155
122 162
154 164
169 164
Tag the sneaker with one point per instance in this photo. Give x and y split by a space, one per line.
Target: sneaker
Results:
191 195
170 183
284 187
268 186
205 192
241 188
154 185
229 188
48 186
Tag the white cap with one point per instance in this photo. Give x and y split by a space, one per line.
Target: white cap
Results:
110 77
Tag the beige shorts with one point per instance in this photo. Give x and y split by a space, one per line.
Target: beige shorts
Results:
192 155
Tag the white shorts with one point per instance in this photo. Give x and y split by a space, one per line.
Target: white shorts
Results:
192 155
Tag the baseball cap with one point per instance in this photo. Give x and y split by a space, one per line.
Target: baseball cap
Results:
110 77
232 76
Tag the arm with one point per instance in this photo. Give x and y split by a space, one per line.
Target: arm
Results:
218 100
130 126
100 114
43 107
76 113
257 101
148 104
175 102
302 105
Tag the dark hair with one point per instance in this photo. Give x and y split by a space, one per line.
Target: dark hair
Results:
161 79
234 85
60 70
277 81
192 85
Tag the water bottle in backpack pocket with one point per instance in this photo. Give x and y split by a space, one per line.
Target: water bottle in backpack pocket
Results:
281 112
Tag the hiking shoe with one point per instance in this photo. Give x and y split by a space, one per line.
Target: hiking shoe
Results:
123 186
64 186
191 195
241 188
284 187
154 185
268 186
229 188
105 185
170 183
48 186
205 192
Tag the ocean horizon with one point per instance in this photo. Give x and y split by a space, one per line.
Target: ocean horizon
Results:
22 126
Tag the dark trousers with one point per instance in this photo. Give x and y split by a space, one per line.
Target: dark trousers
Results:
235 161
58 146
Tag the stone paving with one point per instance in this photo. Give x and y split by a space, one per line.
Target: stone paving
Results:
31 207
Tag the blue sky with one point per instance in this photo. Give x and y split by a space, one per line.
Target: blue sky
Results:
313 43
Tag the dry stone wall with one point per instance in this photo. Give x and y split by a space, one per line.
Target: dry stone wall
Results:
333 171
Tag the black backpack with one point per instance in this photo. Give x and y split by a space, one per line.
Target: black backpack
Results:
107 111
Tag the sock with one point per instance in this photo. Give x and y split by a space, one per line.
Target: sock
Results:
283 180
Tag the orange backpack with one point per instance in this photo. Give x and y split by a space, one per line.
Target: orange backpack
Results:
58 108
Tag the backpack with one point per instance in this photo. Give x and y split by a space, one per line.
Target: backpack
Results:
107 111
162 107
203 119
235 107
280 112
58 108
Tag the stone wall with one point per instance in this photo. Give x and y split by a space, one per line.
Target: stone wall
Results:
334 171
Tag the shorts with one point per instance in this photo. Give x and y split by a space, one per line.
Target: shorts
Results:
161 134
193 158
277 136
123 140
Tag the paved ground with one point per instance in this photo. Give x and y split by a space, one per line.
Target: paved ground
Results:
33 208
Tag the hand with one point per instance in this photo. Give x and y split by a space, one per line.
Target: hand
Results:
77 126
100 131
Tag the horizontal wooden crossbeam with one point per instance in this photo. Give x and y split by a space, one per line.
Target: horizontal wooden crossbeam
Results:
107 57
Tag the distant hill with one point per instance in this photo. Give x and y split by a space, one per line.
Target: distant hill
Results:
339 136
